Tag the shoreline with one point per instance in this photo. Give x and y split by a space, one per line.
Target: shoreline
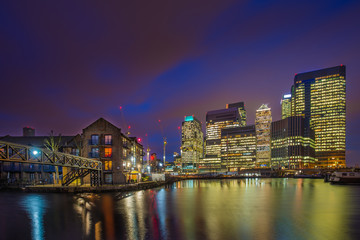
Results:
121 188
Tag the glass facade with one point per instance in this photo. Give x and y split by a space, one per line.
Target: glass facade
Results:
292 144
320 96
238 148
192 139
285 106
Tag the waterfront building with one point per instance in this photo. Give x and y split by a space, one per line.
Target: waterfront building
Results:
238 148
285 106
292 144
191 144
321 96
263 126
121 156
215 122
242 112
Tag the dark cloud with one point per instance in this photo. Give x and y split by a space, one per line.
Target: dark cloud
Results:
63 64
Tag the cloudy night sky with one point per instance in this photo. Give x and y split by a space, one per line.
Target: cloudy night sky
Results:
64 64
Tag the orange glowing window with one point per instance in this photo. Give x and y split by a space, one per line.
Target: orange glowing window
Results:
108 165
108 152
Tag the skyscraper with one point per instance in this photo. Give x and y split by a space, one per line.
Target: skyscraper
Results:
292 143
238 147
191 143
215 121
242 112
263 124
285 106
320 96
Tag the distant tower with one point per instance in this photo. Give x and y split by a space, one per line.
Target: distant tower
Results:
242 112
191 143
28 132
263 126
285 106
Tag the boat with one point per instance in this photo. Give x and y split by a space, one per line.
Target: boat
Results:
345 178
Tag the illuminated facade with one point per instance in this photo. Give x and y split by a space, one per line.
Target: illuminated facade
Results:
320 96
191 143
292 144
263 125
238 148
215 122
242 112
285 106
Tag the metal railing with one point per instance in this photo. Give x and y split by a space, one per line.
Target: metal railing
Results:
11 152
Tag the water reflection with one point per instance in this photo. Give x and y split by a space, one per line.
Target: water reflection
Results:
193 209
35 207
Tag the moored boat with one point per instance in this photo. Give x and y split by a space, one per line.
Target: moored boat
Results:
345 177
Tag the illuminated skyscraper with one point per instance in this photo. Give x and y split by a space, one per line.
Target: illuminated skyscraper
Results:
215 121
292 143
320 96
285 106
242 112
263 124
191 143
238 147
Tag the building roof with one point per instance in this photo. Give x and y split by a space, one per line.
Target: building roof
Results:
320 73
221 115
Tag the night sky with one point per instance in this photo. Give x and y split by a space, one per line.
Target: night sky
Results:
64 64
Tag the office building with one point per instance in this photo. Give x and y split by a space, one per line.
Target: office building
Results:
292 144
215 122
321 96
191 143
242 112
238 148
263 126
285 106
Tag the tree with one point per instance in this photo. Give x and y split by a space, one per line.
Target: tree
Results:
53 144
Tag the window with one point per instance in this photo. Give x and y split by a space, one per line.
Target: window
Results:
95 152
75 151
108 139
94 139
108 165
108 152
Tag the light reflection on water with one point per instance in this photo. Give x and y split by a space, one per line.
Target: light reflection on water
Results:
193 209
35 207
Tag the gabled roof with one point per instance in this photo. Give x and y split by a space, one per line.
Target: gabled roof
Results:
102 120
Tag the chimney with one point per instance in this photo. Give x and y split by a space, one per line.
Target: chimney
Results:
28 132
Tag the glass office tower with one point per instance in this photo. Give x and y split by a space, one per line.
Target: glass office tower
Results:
285 106
320 96
263 121
191 144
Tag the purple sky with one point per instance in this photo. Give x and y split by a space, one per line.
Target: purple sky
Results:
63 64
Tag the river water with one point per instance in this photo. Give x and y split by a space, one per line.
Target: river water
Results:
192 209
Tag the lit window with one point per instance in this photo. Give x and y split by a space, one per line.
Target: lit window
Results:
108 139
108 152
108 165
94 139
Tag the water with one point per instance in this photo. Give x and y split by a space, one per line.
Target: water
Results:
193 209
